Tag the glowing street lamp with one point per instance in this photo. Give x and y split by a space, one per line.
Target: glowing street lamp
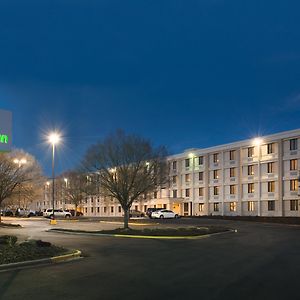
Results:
54 139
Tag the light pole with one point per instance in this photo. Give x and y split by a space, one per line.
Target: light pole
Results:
54 139
66 186
257 142
20 163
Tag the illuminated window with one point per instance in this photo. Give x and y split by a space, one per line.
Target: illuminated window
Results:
270 167
271 205
232 172
216 206
200 176
232 189
232 206
201 192
200 160
250 170
187 178
216 190
293 144
216 174
293 185
270 148
293 204
187 192
250 151
250 205
201 207
232 154
250 188
293 164
187 163
271 186
216 157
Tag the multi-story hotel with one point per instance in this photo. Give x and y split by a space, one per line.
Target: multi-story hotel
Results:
255 177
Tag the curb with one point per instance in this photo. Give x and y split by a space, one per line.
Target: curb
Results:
56 259
197 237
133 224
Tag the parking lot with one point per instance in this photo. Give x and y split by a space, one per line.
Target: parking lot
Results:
260 261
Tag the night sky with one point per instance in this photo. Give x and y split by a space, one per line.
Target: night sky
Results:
182 73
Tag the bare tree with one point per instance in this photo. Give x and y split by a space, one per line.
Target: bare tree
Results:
77 187
128 167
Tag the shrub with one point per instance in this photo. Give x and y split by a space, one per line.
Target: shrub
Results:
9 240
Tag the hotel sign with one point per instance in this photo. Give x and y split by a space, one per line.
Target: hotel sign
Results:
5 130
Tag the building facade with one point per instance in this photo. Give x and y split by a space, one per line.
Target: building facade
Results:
255 177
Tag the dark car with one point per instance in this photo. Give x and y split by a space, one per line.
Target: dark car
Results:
7 213
150 210
136 214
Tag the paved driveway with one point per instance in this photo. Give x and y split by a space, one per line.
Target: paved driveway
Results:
260 261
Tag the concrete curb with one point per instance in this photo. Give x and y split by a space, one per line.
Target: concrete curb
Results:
132 223
56 259
197 237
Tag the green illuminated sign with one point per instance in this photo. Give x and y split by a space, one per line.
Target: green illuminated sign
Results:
3 138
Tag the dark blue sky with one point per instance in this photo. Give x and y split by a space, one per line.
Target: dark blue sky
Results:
183 73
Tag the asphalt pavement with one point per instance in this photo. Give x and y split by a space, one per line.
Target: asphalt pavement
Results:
260 261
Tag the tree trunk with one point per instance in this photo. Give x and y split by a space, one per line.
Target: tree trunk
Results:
126 218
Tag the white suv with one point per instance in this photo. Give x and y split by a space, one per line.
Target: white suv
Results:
58 213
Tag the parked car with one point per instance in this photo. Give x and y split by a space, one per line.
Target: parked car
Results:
58 213
164 214
136 214
72 212
7 213
150 210
21 212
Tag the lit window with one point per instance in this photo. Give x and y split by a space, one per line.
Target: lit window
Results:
201 207
271 186
250 151
250 205
216 190
293 164
270 148
216 174
232 172
270 167
232 154
216 206
294 204
232 206
251 170
216 157
187 178
293 185
271 205
232 189
201 192
250 188
293 144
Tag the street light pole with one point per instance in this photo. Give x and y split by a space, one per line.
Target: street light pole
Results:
20 163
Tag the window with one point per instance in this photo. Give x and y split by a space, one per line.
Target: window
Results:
232 189
232 154
250 151
216 206
250 205
250 188
293 144
165 206
155 195
250 170
98 209
294 204
216 157
270 148
92 209
174 165
216 190
232 172
187 192
293 185
200 176
112 209
271 186
86 210
216 174
293 164
270 167
92 199
232 206
136 207
120 208
104 209
201 192
271 205
174 193
200 160
187 178
201 207
174 179
187 163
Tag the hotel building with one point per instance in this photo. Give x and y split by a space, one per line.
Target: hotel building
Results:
255 177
